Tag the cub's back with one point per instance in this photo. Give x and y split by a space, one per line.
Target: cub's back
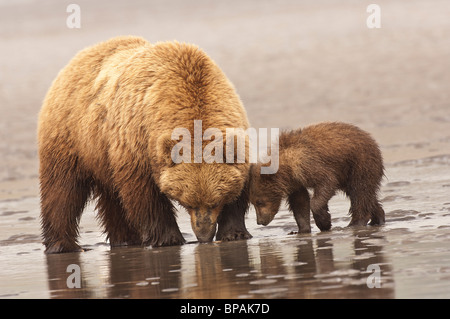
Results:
337 137
331 148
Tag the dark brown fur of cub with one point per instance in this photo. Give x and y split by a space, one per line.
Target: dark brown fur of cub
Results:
325 158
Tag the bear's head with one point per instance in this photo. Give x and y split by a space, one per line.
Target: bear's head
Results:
265 194
202 188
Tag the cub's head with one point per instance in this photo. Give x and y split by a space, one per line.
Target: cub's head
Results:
202 188
264 195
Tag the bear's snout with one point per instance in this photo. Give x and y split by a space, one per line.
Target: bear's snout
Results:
204 222
205 234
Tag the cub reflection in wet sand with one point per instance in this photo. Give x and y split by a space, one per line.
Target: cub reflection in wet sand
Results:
325 157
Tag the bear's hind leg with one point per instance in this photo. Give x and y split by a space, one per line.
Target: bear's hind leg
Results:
378 217
365 207
299 205
64 193
112 217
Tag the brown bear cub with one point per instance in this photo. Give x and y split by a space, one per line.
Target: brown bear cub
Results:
325 158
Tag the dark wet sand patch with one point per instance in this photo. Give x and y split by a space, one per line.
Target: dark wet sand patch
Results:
399 183
392 198
9 213
27 218
437 159
21 239
401 215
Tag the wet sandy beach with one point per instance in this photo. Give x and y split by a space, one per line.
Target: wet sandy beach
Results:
293 63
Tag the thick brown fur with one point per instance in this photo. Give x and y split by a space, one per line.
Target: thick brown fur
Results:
100 132
325 157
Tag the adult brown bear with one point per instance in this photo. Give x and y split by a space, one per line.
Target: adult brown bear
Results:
105 130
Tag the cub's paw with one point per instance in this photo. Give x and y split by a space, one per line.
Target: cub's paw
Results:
323 220
377 221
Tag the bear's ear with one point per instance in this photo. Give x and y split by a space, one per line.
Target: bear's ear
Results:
170 151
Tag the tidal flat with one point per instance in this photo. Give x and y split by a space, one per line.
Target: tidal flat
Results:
409 257
293 63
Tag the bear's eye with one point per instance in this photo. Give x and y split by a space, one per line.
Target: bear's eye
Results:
259 203
213 206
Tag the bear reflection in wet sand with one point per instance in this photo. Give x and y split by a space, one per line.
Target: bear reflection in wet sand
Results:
104 129
325 157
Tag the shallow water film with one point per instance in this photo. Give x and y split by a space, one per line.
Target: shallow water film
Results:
409 257
293 63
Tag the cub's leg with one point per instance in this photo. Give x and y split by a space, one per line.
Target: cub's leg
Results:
319 207
378 216
64 192
113 218
231 221
299 205
147 209
364 207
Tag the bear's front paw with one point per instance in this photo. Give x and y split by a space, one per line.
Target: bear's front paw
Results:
61 247
169 239
233 235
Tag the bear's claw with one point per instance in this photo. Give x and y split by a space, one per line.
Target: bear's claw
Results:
234 235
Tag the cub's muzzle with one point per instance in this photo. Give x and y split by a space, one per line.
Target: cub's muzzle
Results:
264 217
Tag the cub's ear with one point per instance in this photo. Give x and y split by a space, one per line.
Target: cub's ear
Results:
170 150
